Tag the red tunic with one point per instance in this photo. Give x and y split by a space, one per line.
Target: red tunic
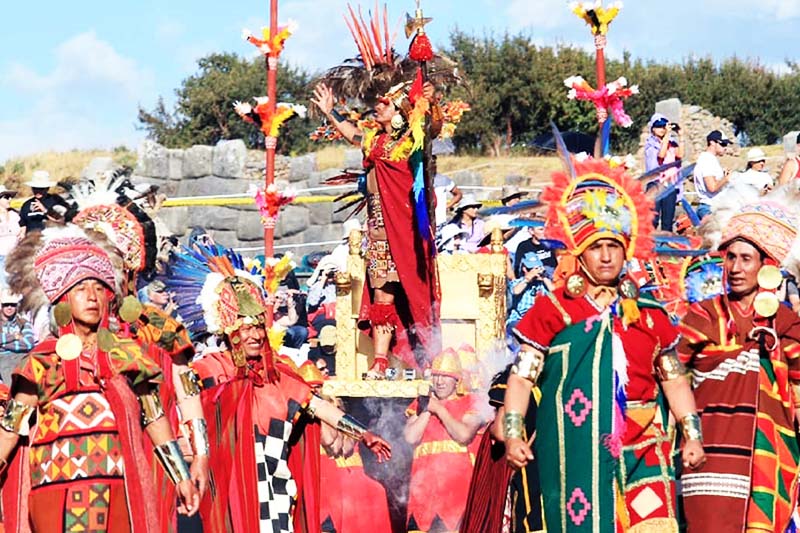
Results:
441 471
410 252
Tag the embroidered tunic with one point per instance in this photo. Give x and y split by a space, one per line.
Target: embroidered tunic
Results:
601 467
741 386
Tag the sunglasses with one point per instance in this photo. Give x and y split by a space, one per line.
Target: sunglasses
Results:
9 305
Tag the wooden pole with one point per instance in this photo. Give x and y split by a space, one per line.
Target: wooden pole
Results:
602 116
270 143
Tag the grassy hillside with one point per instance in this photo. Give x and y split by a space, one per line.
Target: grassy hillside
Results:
61 165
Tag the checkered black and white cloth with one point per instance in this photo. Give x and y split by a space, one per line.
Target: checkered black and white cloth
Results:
277 490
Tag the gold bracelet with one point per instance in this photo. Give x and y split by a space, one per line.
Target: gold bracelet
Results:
16 415
690 425
3 466
528 365
196 430
190 383
514 425
669 367
351 427
170 456
152 409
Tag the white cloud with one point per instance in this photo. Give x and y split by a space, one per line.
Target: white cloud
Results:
87 100
776 10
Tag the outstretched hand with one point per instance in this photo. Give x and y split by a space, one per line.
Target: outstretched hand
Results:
378 446
323 98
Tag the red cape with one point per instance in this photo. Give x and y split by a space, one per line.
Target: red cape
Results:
416 264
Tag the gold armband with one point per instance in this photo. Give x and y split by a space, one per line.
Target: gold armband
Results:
309 410
514 425
351 427
196 430
3 466
528 365
691 427
15 417
796 392
152 409
170 456
669 367
191 383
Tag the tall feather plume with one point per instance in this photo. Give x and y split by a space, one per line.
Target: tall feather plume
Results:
563 152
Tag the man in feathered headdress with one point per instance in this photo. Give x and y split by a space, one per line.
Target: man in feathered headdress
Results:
400 298
743 349
600 352
257 400
86 468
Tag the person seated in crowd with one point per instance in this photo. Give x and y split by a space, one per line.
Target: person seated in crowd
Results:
43 206
525 289
756 174
16 335
709 176
791 169
286 316
451 239
156 294
324 354
10 230
535 244
341 252
321 299
441 429
467 218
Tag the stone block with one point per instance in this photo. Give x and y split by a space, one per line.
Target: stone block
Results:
353 158
175 164
212 185
249 227
301 167
670 108
151 160
790 142
175 219
328 232
320 214
467 178
515 179
228 159
96 167
214 217
293 219
197 161
225 238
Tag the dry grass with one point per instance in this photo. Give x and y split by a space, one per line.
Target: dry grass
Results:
331 156
60 165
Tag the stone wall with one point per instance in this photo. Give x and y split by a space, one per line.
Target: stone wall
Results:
229 168
695 123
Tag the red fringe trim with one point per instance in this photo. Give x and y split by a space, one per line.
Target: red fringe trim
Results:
383 315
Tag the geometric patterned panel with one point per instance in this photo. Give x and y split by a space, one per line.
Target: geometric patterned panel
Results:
77 457
86 508
75 414
277 490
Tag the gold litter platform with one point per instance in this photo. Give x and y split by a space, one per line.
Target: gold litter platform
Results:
473 312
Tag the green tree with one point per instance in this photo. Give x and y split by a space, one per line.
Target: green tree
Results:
204 113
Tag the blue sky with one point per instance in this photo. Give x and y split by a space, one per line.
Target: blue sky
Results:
73 73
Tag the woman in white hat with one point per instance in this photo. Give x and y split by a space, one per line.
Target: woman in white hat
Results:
756 174
43 206
467 219
10 230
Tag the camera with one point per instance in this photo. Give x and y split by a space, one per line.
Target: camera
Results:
674 126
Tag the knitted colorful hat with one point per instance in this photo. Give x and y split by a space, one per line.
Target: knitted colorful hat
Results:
67 258
769 226
599 203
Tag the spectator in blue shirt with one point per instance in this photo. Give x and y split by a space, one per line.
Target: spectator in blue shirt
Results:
527 287
16 335
661 148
